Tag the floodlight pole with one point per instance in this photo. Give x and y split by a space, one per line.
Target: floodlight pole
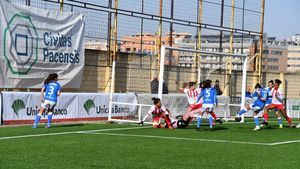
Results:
113 67
199 44
61 8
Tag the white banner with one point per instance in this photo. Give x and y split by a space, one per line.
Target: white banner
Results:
1 110
36 42
22 107
178 104
293 108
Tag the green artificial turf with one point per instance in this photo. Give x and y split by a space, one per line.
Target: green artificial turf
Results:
228 146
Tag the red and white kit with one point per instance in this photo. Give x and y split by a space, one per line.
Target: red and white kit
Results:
192 95
277 98
157 114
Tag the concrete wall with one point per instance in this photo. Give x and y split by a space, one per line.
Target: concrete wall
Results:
135 72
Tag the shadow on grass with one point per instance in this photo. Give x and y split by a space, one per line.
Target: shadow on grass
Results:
69 125
206 128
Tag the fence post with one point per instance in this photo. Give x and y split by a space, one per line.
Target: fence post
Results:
61 8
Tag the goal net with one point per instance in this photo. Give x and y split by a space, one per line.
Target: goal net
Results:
175 67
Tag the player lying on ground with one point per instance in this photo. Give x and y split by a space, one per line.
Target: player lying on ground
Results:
277 103
158 111
192 92
261 96
269 101
51 89
184 120
209 101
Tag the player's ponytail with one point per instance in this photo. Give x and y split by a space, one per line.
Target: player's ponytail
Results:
155 100
50 78
278 81
257 86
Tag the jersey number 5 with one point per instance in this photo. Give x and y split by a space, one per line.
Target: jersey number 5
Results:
207 93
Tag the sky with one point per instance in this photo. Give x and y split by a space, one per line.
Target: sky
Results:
282 18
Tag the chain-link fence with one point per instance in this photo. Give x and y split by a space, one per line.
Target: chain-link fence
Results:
144 25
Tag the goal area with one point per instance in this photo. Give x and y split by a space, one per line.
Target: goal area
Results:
165 76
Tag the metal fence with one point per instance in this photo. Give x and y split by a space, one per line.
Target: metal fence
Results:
142 26
142 17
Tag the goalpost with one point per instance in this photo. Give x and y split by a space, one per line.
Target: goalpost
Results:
177 103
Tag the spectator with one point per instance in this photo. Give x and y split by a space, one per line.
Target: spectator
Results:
154 86
217 87
248 93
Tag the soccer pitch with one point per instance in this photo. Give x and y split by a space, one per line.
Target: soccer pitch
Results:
231 145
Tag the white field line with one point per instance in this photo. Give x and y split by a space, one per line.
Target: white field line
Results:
285 142
145 136
180 138
65 133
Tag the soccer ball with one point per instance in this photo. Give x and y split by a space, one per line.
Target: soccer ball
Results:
238 119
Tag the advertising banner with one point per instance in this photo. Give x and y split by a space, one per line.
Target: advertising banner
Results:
36 42
22 107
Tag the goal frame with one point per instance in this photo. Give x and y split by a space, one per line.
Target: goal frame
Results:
161 79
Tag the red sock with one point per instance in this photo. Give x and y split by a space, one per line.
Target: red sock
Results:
168 121
213 115
266 117
288 118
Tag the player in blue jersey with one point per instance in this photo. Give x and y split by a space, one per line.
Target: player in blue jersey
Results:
209 95
49 92
269 90
261 96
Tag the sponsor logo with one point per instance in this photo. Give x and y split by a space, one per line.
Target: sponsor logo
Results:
17 106
295 107
20 44
88 105
24 44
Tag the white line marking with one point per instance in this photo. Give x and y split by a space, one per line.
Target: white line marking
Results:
70 132
180 138
285 142
146 136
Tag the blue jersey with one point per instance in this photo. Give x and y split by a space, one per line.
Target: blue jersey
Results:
254 95
248 94
51 91
269 95
209 96
261 98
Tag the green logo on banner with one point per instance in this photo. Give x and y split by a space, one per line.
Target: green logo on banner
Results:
295 107
88 105
18 105
20 44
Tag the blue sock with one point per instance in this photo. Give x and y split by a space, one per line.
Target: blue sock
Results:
210 121
279 121
242 111
256 120
199 121
37 119
49 118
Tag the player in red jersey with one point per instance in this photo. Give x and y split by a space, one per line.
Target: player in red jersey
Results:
192 92
158 112
277 103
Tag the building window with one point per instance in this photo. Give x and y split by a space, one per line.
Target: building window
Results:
276 52
266 52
